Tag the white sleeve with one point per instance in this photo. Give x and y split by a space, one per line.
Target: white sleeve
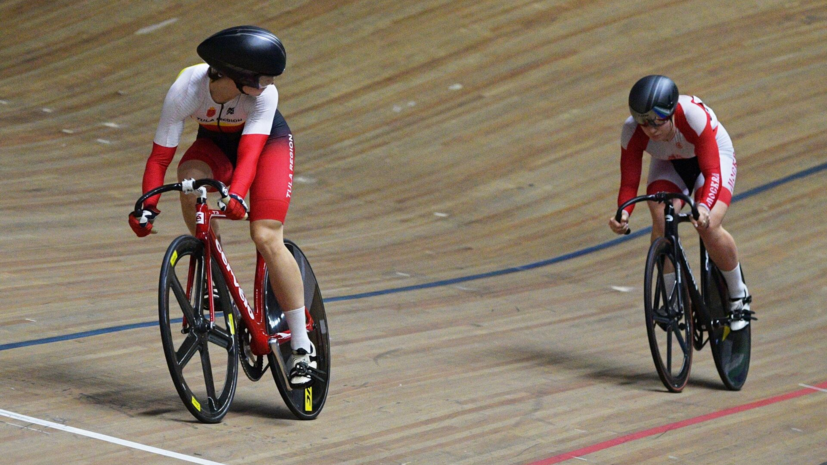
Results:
697 113
629 127
261 111
181 101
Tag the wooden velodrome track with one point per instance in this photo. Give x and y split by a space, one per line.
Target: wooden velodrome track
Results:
457 163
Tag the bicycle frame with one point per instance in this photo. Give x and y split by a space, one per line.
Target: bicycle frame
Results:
260 340
670 232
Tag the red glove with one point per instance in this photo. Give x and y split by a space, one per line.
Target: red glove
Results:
234 207
142 222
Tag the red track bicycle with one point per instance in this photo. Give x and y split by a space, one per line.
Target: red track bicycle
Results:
205 316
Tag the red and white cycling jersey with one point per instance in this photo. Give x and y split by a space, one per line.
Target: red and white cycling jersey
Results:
698 135
189 96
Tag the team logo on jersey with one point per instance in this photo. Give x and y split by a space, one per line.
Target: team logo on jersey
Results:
231 111
211 112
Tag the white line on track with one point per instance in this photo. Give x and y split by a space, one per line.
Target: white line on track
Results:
155 27
103 437
813 387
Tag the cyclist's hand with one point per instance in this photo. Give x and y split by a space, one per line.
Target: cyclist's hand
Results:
703 217
142 222
623 226
234 207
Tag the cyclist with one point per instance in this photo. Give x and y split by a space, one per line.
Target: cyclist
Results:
244 142
691 152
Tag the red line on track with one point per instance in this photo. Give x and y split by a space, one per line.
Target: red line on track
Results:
677 425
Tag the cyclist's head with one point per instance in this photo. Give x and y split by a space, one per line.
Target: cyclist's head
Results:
653 98
249 55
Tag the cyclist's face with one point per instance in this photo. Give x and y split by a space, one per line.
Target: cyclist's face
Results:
659 129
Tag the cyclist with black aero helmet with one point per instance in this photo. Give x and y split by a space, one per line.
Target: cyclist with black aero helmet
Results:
691 152
244 142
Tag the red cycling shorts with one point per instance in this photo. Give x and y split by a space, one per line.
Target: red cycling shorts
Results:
272 186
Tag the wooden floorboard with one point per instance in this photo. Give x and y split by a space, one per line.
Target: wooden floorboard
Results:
436 142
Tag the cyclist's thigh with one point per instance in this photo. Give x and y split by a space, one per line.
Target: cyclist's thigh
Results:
204 159
716 216
272 187
729 169
663 177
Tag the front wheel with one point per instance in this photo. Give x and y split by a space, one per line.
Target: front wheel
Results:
306 403
730 349
668 317
202 357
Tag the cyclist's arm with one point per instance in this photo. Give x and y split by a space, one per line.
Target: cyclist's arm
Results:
256 131
695 124
633 142
180 102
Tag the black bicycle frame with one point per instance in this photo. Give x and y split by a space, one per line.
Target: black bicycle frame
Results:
672 220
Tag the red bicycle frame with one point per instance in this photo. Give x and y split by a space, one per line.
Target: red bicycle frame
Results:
253 316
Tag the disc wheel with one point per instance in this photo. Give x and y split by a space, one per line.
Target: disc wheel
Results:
668 318
306 403
730 349
202 358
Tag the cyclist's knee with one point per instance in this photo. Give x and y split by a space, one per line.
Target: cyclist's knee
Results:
711 233
267 235
195 169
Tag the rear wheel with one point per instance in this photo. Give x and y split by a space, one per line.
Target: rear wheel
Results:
306 403
202 358
668 318
730 349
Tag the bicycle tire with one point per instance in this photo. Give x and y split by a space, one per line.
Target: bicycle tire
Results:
730 349
195 382
668 319
305 403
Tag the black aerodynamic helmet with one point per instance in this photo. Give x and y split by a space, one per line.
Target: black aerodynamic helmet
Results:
653 97
249 55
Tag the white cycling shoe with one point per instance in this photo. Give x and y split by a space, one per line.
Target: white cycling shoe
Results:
740 307
299 364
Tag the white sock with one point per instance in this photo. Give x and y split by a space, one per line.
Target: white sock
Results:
297 324
735 283
669 281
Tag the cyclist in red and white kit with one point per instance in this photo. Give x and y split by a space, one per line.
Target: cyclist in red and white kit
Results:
244 142
691 152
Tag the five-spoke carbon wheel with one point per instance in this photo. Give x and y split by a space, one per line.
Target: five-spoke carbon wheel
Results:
202 357
668 318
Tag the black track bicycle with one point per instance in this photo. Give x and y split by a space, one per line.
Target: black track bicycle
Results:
679 316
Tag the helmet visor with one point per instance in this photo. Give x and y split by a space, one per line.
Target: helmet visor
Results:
654 117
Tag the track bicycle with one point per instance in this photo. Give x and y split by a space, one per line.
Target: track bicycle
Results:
680 317
208 327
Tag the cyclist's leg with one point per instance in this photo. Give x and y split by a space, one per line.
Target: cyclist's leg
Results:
270 196
202 160
663 178
718 241
285 277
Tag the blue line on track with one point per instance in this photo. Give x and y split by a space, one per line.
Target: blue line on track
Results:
447 282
